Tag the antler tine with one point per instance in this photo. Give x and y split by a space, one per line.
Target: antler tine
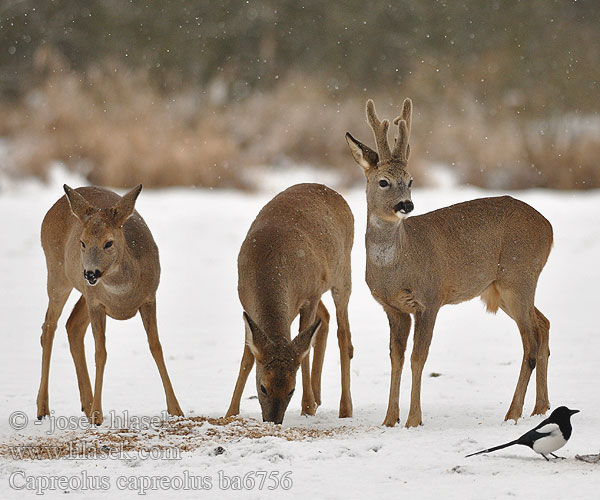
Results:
380 130
403 122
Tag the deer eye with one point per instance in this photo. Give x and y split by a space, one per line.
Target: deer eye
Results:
410 183
263 390
108 244
82 244
291 393
383 183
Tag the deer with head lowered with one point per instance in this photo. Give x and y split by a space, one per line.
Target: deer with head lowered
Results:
297 248
494 248
96 242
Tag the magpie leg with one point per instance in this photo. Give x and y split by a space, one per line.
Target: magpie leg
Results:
547 459
556 456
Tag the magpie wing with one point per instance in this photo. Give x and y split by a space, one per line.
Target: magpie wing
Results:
542 430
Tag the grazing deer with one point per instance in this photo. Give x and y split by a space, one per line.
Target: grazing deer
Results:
96 242
297 248
494 248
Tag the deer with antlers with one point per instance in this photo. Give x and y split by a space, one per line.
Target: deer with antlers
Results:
494 248
96 242
297 248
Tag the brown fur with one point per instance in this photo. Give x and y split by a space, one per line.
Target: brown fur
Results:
75 236
297 248
491 247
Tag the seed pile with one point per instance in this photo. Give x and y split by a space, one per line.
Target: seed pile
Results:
184 434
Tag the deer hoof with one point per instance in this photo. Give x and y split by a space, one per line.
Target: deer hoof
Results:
96 417
414 421
87 409
391 422
175 411
540 409
513 415
42 409
346 410
309 408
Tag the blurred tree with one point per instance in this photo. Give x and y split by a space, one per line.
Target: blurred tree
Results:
547 50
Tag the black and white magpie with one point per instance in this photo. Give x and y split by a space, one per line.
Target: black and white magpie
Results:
547 437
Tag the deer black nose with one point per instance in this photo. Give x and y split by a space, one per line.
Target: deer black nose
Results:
92 276
404 207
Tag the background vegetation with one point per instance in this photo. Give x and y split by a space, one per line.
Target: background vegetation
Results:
506 93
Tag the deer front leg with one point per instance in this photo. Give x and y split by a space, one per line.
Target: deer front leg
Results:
399 330
245 368
309 405
424 323
98 320
76 326
148 314
57 297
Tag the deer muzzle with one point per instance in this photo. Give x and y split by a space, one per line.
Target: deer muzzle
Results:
275 412
92 276
404 207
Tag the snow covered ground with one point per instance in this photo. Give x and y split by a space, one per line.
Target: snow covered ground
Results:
199 233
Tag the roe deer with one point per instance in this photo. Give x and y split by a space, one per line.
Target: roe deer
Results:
494 248
297 248
96 242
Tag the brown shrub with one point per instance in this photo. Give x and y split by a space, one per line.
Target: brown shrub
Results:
115 127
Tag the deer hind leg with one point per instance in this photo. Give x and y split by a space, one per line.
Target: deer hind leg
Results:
148 314
399 331
245 368
424 323
308 315
76 327
542 327
58 293
319 352
522 312
341 297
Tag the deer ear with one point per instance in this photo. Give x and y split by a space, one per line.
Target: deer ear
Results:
125 206
255 338
78 204
305 339
364 155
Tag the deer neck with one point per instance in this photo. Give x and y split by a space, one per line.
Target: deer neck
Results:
123 276
384 240
269 307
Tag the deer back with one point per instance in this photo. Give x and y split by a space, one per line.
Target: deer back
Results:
294 251
452 254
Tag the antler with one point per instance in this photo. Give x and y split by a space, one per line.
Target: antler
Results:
380 129
401 148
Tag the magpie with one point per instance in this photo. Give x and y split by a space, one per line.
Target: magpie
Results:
547 437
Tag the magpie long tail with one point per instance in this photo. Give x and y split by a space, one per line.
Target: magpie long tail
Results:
489 450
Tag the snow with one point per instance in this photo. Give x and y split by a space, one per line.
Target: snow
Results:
199 233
